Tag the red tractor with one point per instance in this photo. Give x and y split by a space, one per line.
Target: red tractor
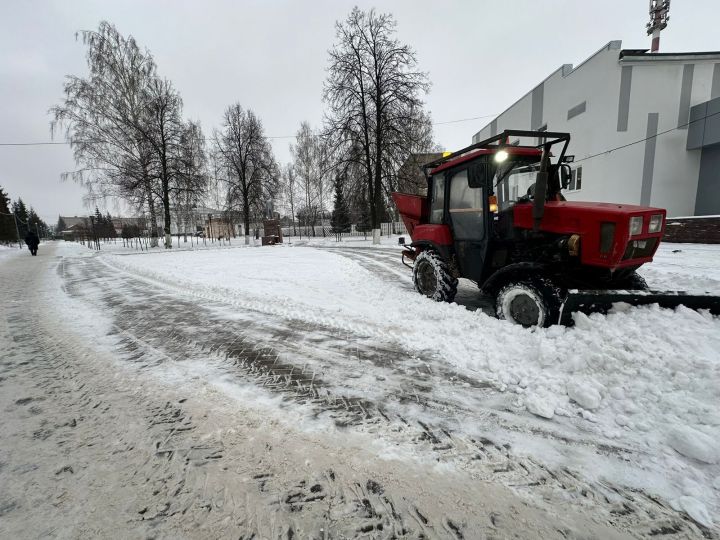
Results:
495 214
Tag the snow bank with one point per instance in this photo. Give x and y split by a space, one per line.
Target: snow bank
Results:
646 379
688 267
9 250
693 508
695 444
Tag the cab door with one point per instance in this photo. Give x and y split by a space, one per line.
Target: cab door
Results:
467 211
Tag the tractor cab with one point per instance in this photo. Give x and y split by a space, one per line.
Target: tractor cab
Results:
472 191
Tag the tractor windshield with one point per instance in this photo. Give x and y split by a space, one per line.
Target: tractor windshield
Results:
515 179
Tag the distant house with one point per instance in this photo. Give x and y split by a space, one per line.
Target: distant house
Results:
75 227
140 222
210 222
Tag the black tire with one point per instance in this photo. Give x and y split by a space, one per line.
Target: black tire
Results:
633 282
432 277
530 302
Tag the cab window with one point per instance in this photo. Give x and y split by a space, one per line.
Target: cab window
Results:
466 207
438 199
515 181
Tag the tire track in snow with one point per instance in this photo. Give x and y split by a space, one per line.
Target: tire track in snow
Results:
429 432
89 451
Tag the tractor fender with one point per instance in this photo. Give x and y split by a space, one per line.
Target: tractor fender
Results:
443 251
512 271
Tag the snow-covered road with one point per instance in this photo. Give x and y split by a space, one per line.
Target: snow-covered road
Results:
312 388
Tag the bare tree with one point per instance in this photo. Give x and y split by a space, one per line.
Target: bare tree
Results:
100 115
373 91
312 166
191 177
289 191
125 127
248 166
163 128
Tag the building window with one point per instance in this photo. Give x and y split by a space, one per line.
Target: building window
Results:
575 180
576 110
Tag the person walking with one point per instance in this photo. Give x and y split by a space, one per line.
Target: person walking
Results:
32 241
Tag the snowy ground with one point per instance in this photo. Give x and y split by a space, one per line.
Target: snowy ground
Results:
328 356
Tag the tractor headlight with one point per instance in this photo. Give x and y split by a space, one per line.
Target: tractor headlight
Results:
655 223
500 156
636 224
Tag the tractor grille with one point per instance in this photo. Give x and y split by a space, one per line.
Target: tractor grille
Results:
637 249
607 236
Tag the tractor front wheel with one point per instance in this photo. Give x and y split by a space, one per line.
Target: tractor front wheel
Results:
633 282
530 303
432 278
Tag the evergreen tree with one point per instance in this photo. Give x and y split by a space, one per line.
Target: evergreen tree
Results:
21 216
364 224
34 222
340 220
111 232
7 222
61 226
99 224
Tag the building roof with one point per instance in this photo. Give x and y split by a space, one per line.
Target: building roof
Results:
127 221
630 55
207 210
71 221
643 54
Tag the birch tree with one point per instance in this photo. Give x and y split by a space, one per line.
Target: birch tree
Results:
248 166
124 125
312 167
100 114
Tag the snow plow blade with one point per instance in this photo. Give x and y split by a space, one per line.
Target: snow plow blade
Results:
602 301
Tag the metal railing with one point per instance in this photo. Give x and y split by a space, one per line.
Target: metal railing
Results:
326 231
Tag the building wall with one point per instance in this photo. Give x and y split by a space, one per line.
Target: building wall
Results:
607 102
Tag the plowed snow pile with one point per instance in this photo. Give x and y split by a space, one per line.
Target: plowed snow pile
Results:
644 379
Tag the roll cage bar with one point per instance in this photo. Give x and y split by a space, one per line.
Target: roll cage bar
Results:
499 141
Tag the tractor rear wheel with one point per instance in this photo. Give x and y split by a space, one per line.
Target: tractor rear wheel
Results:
529 302
432 277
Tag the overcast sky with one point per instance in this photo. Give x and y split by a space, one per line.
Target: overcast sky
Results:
271 56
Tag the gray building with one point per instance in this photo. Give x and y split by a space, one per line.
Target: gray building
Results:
645 127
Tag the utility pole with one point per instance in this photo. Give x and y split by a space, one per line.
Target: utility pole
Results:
17 230
659 17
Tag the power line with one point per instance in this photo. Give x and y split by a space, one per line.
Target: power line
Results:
644 139
60 143
607 151
464 119
32 143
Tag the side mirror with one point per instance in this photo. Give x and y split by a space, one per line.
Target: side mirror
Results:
401 240
565 175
